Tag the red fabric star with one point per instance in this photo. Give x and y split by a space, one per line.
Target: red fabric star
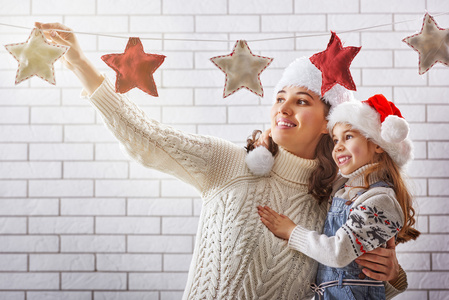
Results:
134 68
334 64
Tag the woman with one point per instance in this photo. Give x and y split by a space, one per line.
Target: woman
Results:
235 257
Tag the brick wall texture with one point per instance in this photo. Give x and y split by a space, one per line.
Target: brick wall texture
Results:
79 220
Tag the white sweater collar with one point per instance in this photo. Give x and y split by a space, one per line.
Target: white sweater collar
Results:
293 168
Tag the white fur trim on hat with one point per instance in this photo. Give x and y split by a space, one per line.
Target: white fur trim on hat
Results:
260 161
301 72
391 135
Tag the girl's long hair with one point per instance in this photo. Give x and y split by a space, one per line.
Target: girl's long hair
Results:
320 182
387 170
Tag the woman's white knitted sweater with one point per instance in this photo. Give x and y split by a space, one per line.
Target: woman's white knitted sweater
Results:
235 256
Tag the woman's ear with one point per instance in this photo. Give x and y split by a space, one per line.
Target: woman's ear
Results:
378 149
324 129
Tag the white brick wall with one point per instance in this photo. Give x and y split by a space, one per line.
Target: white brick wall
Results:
79 221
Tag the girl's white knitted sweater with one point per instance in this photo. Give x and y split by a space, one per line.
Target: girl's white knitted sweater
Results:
235 256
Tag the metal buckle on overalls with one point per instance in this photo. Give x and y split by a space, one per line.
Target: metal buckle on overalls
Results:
317 289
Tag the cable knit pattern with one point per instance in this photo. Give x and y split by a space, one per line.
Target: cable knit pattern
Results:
235 256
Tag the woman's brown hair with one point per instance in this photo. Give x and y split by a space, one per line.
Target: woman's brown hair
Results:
387 170
320 182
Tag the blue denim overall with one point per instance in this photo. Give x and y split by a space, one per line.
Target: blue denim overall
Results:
348 282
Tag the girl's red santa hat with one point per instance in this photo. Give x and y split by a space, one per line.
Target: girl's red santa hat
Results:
380 121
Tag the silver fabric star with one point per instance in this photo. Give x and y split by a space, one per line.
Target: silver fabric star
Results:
36 57
242 69
432 44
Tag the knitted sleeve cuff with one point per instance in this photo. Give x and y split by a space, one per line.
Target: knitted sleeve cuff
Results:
392 289
105 99
298 239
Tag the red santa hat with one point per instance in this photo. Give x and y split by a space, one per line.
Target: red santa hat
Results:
380 121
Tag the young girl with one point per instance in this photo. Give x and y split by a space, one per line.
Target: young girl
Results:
370 147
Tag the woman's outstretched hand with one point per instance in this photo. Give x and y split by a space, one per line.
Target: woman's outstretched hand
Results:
280 225
74 59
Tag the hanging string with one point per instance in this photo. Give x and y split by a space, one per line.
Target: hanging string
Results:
227 41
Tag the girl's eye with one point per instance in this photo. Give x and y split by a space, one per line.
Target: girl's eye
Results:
348 137
335 141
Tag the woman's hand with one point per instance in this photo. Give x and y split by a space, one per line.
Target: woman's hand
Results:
280 225
263 139
74 59
381 263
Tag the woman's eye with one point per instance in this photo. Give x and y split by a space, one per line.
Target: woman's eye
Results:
279 100
302 102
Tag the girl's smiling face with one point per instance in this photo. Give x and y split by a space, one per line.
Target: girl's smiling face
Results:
298 120
352 150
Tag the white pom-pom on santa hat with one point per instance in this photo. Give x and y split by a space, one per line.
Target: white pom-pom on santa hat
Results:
260 161
394 129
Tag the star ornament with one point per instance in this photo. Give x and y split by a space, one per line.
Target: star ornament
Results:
36 57
134 68
242 69
432 44
334 64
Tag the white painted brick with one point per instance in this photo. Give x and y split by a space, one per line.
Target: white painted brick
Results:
432 205
93 206
35 133
61 188
92 243
428 95
64 151
422 223
426 242
29 281
176 188
87 133
32 170
438 113
97 24
126 295
13 188
25 20
127 225
417 187
249 114
72 97
177 262
157 281
179 225
424 131
194 115
126 188
438 295
18 207
326 6
440 261
196 7
59 295
162 24
436 5
411 22
14 115
412 295
400 6
62 115
366 92
214 97
129 262
293 23
438 149
414 261
439 224
93 281
193 78
260 7
428 280
233 133
126 7
13 262
13 152
420 150
160 244
176 42
197 205
16 244
13 225
160 207
85 170
61 225
109 151
439 187
413 113
83 7
392 77
227 23
384 40
287 44
19 8
12 295
406 59
177 60
138 171
437 77
62 262
171 295
373 58
343 22
168 97
429 168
